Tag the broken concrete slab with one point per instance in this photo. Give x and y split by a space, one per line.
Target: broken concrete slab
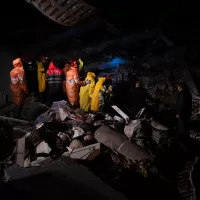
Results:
85 153
121 113
131 128
157 125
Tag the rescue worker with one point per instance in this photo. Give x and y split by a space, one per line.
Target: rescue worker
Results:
46 63
54 81
18 86
30 68
41 78
65 70
138 97
73 83
95 96
183 108
81 69
105 95
86 92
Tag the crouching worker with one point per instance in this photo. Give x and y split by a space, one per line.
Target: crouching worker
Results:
18 86
54 81
86 92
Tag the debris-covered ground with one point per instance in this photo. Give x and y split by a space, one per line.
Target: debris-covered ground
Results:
140 158
143 154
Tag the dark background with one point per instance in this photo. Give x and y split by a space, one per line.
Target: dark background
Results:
22 24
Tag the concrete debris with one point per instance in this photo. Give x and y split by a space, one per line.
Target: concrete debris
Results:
43 148
32 108
117 119
191 85
131 128
90 119
157 125
157 136
62 131
119 111
85 153
76 144
77 132
143 144
185 182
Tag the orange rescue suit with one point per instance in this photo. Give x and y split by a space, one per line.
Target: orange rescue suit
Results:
72 83
17 84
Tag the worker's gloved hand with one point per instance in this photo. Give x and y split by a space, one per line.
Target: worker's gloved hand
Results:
87 82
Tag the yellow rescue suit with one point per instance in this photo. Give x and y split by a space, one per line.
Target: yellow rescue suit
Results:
95 96
86 92
41 77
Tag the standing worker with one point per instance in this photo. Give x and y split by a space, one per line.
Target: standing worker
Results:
105 95
73 83
183 108
138 97
54 81
95 97
30 68
41 78
86 92
18 86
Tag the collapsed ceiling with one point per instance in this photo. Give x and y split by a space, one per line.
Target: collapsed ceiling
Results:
64 12
25 25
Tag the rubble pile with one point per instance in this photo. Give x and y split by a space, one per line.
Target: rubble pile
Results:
142 145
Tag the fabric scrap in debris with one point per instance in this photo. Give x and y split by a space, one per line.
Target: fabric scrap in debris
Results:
58 104
42 119
77 132
132 127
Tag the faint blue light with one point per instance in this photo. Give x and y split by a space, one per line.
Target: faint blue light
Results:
118 61
113 63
